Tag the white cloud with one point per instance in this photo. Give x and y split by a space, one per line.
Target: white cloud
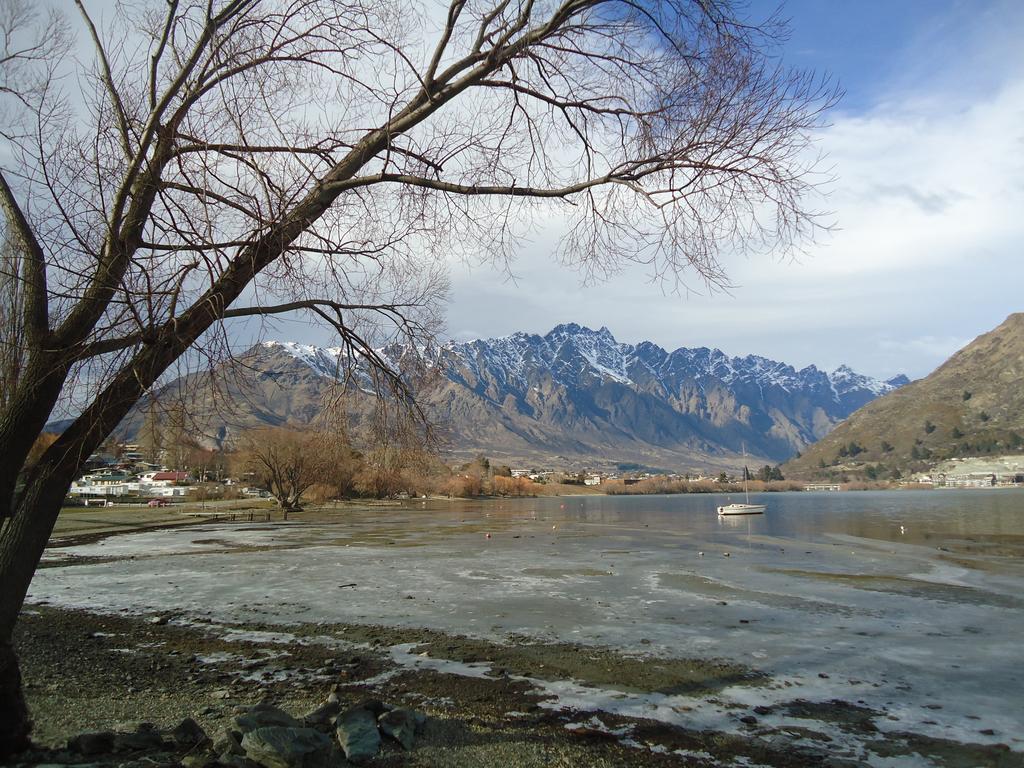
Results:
928 199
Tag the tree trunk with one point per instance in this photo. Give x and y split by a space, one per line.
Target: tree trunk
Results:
14 721
33 510
22 541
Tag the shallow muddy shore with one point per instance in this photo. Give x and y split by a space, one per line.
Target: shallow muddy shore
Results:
486 703
88 672
551 632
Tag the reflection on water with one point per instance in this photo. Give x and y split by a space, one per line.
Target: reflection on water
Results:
914 517
907 602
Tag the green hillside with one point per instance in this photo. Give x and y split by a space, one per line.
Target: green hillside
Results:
972 405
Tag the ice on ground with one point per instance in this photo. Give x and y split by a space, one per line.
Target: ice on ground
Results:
829 607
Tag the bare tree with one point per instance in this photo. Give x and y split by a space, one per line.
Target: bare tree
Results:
397 449
287 462
218 162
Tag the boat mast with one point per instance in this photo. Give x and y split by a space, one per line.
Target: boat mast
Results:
746 493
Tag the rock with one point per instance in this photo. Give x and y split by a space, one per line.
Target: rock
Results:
357 734
285 747
188 734
323 714
376 706
159 620
92 743
264 716
401 725
236 761
229 743
199 761
748 720
133 726
142 739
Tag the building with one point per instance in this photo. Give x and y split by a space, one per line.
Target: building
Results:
967 480
165 478
120 483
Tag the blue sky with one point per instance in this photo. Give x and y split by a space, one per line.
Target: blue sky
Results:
928 152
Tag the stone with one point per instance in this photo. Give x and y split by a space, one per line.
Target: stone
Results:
141 739
285 747
199 761
236 761
133 726
188 734
229 743
401 725
376 706
323 714
357 734
264 716
92 743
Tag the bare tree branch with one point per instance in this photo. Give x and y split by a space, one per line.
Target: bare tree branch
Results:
231 160
33 273
108 82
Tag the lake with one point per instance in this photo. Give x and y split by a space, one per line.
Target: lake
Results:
909 603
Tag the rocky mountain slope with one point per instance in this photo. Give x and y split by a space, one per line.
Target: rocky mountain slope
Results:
574 395
972 405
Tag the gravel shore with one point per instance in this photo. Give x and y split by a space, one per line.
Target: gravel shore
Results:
86 672
487 703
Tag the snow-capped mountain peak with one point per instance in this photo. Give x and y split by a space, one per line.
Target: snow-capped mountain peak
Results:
570 352
572 392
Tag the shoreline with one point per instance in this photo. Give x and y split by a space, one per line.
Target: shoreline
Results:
87 672
160 670
512 700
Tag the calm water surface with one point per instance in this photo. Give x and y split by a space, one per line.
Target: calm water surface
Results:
906 516
910 602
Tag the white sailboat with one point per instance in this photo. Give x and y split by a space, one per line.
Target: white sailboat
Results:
743 509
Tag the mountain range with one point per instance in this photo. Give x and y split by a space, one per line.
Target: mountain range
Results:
573 396
970 406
